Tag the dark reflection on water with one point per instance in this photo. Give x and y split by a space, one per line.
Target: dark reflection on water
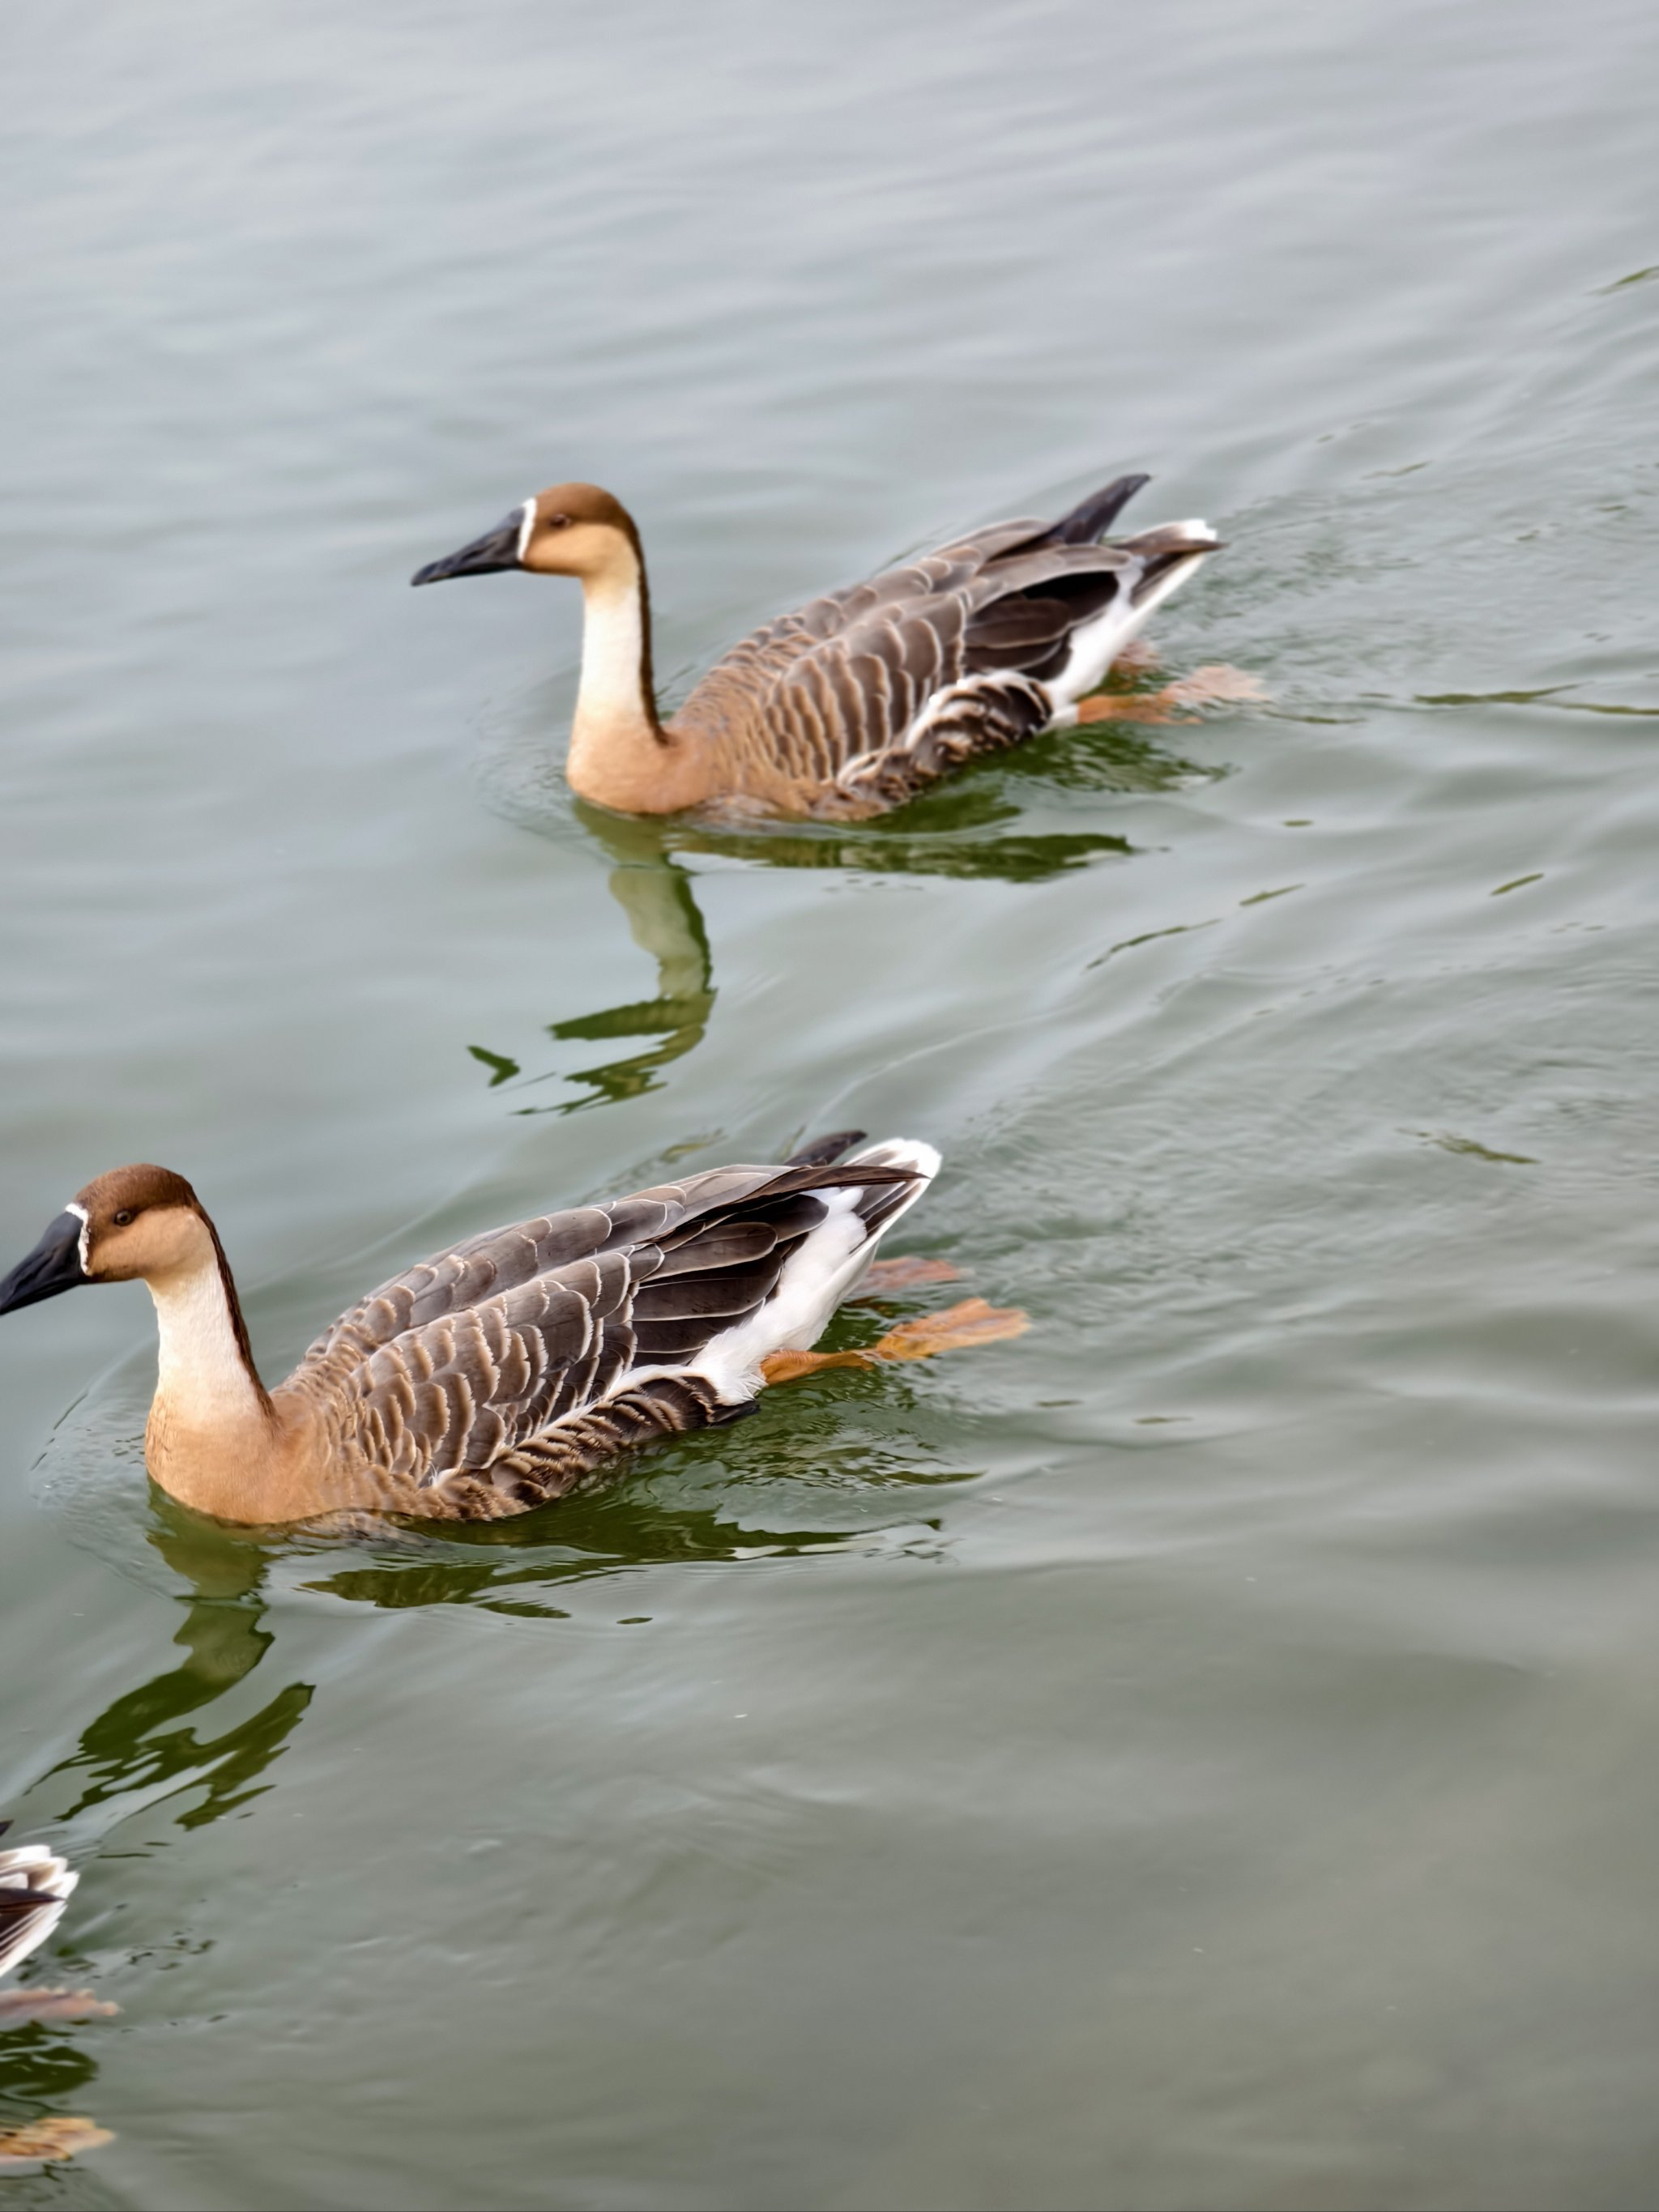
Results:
966 827
659 1512
957 831
1018 859
135 1744
655 894
646 1536
38 2065
1109 756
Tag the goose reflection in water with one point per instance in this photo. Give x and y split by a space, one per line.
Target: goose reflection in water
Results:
963 830
136 1752
654 892
525 1567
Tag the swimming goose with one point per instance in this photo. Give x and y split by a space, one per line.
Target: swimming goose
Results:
855 702
511 1368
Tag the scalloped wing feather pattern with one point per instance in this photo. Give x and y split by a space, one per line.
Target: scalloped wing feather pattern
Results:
511 1368
870 692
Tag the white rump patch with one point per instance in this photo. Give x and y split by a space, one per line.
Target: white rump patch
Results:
829 1266
825 1269
1096 645
1098 642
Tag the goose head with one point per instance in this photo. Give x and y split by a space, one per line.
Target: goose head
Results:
136 1222
569 530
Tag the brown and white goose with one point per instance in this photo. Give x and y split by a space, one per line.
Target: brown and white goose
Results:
511 1368
855 702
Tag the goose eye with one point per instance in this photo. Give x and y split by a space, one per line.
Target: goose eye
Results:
122 1217
557 522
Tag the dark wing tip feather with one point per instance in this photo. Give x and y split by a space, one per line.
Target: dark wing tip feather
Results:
1168 547
1090 518
823 1151
1084 525
842 1176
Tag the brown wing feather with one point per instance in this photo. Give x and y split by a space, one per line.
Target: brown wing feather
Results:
839 684
469 1359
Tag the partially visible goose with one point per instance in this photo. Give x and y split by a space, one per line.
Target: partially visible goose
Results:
509 1368
34 1888
855 702
35 1885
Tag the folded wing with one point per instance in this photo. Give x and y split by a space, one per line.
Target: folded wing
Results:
570 1336
878 688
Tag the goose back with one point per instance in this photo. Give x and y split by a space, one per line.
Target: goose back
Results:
506 1370
853 702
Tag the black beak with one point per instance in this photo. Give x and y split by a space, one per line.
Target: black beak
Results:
53 1265
496 549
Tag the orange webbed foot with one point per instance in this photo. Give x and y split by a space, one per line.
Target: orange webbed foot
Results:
1207 686
44 2141
1215 684
790 1366
956 1328
20 2008
886 1276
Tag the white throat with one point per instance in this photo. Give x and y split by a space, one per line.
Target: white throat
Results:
200 1374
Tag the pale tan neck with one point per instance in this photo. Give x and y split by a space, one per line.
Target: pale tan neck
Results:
203 1384
620 756
211 1430
216 1440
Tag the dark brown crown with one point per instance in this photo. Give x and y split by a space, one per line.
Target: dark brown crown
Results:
132 1190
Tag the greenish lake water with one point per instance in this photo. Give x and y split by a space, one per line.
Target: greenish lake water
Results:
1199 1754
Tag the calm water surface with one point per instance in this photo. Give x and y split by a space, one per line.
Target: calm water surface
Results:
1203 1753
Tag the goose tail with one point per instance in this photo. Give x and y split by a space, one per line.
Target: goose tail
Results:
1091 518
841 1262
1167 555
34 1888
825 1267
1155 563
822 1151
880 1204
